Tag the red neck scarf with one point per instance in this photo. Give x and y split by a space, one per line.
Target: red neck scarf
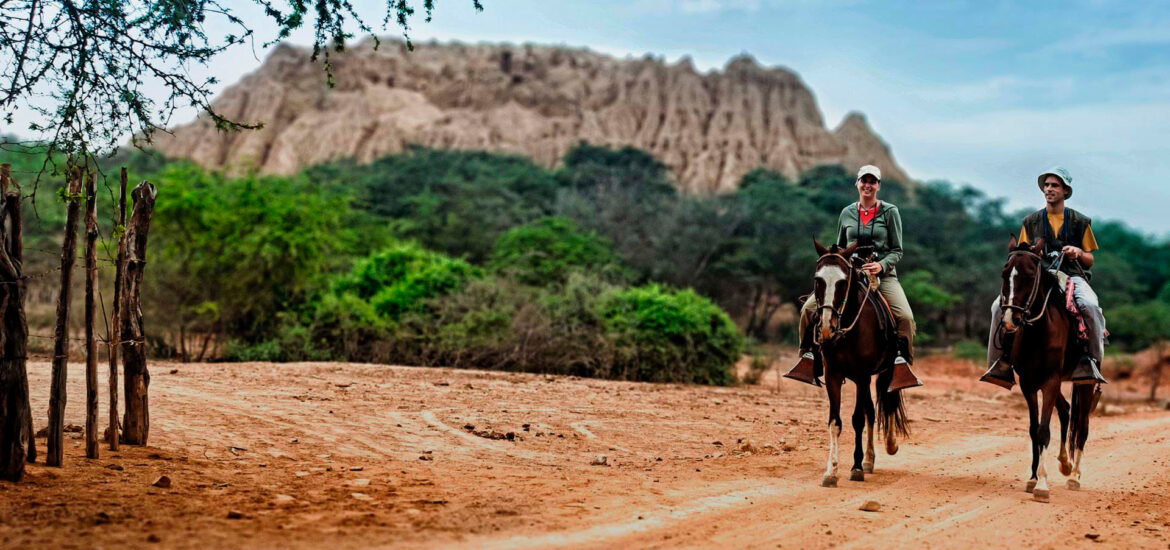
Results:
866 216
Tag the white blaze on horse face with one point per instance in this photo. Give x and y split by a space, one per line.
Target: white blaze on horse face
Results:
831 275
1011 287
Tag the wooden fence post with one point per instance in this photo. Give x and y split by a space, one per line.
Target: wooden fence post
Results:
136 423
91 377
15 415
115 320
57 393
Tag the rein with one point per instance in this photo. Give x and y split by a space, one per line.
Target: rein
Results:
1025 309
839 313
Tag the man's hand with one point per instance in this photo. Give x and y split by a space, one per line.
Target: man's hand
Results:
1072 252
872 267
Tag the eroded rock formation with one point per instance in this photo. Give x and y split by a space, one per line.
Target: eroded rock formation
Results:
710 128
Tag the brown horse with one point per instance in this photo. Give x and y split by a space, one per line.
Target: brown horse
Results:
855 346
1040 331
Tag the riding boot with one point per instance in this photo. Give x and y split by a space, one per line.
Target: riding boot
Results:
808 369
1000 372
1086 372
904 376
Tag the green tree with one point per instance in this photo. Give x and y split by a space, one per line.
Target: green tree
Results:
454 202
544 252
400 278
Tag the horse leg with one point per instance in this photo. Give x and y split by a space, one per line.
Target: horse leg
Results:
833 388
856 473
1083 398
1033 428
870 417
1044 436
1062 409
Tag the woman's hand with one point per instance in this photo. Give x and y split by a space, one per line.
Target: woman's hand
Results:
872 267
1073 252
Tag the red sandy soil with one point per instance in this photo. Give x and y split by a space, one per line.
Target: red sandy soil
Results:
337 456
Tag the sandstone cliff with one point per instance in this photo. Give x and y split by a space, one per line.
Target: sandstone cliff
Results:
534 100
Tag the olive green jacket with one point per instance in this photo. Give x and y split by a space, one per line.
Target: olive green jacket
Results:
885 233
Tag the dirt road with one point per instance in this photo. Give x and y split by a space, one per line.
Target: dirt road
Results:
337 456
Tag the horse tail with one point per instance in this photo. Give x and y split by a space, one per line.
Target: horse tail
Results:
891 409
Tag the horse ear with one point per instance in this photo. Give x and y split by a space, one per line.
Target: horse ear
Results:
1012 242
849 249
1039 246
821 250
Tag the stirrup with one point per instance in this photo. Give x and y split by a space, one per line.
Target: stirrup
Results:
1086 372
1000 374
903 377
804 370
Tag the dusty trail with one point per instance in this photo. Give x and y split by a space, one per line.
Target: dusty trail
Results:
355 456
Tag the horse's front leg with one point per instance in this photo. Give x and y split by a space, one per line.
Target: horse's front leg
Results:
1062 409
870 417
1033 426
856 473
1044 437
833 388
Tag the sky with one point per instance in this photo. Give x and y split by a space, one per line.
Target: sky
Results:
986 93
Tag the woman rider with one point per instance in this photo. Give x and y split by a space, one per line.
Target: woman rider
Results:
877 223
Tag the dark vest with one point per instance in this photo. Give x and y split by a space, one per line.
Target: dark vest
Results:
1072 232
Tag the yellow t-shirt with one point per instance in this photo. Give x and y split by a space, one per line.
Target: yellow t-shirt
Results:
1056 221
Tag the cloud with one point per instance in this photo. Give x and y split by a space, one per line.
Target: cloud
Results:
1097 41
998 89
711 6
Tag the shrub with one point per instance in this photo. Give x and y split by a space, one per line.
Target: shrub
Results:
402 277
670 336
970 350
543 252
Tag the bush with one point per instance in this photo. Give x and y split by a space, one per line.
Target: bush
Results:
970 350
401 278
543 252
670 336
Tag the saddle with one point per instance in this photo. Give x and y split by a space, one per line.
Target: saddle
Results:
887 324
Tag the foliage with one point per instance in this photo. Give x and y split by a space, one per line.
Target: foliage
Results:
1139 326
454 202
244 249
670 336
399 279
971 350
544 252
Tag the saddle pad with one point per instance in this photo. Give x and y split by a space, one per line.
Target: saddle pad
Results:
885 314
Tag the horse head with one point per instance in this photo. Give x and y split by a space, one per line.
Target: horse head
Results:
1021 281
831 283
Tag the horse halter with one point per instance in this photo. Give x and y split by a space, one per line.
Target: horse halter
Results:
1023 310
838 313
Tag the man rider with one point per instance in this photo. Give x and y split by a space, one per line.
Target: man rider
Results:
1062 230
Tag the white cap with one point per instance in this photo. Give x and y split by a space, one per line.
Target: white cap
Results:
871 170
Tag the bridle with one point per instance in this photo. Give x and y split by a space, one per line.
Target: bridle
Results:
838 313
1026 308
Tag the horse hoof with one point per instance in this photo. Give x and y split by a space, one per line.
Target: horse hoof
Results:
1074 485
856 475
867 468
828 481
1065 468
891 449
1040 495
1031 485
